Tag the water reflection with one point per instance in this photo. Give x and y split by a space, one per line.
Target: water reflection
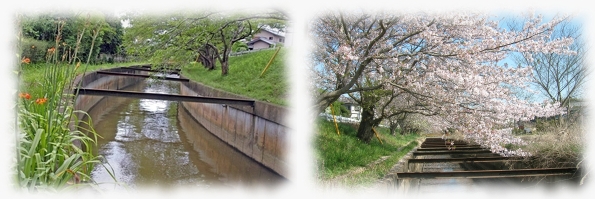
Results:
153 142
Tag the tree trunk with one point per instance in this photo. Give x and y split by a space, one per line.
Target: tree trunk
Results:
364 132
324 102
207 62
224 67
207 57
393 128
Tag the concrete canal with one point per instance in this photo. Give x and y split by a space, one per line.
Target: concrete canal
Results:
148 142
439 166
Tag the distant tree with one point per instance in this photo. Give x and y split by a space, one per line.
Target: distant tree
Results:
81 33
340 110
112 37
203 36
559 77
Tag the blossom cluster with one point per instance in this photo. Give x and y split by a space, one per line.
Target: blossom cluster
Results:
446 66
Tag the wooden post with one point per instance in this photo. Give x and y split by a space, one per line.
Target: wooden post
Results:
270 61
376 133
335 120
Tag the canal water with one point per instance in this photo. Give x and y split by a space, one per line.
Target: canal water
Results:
149 142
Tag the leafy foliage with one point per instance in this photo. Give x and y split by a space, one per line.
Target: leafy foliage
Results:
175 39
81 36
36 50
340 110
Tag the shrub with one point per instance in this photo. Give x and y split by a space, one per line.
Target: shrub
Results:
35 50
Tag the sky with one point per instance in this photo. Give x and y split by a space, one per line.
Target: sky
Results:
301 12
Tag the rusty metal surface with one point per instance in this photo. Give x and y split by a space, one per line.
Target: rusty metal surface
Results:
451 152
462 160
489 173
445 145
145 76
445 148
169 71
119 93
160 68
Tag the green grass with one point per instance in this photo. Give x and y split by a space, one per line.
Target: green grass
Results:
378 171
338 154
33 74
243 77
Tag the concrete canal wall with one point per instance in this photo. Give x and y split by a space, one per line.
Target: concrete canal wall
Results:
99 81
226 161
260 132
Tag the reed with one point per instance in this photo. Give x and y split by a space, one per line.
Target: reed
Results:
52 151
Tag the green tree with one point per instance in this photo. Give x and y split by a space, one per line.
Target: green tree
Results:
207 37
339 109
82 35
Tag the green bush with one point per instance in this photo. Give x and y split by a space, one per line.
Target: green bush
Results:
340 110
35 50
239 46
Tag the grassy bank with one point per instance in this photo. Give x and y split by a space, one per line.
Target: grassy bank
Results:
338 155
244 76
32 75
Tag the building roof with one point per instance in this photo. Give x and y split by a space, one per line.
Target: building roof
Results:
273 31
261 39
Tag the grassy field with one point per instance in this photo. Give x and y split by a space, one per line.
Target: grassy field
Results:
244 76
338 155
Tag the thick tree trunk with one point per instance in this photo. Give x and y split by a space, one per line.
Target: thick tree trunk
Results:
364 132
207 57
207 62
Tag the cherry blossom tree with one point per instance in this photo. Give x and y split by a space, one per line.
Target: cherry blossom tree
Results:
440 65
558 77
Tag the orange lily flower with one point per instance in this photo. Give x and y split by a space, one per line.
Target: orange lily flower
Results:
26 60
25 95
41 101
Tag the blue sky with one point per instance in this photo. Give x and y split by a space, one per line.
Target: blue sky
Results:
577 20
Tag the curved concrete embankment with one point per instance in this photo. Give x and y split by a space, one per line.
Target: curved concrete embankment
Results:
99 81
260 132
